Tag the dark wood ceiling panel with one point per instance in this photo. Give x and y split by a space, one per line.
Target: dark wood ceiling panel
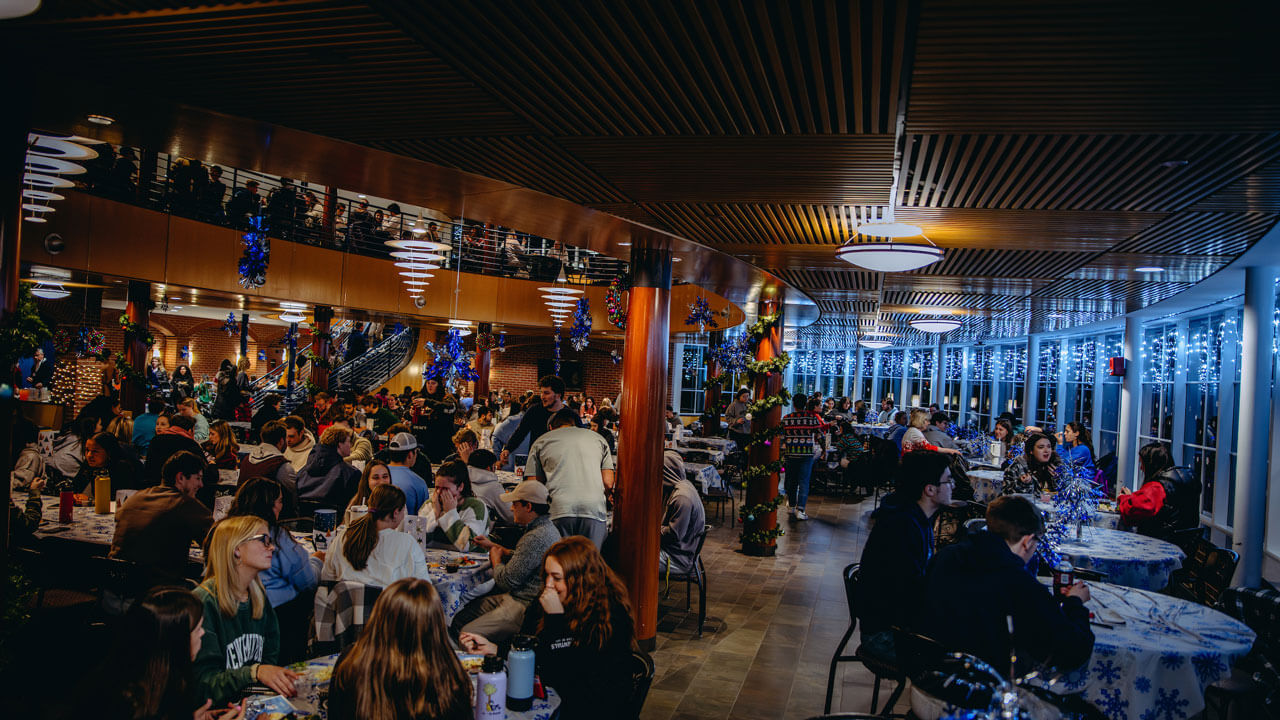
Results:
1005 263
761 224
1059 230
1094 66
947 300
1143 293
1205 233
1177 268
1256 192
846 170
530 161
832 279
846 307
1016 287
1145 173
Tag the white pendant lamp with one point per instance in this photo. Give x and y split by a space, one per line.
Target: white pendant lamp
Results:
890 256
935 325
872 344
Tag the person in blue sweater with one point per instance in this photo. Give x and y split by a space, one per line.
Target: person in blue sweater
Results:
973 586
291 581
1074 446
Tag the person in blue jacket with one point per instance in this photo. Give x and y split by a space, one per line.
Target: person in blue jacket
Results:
291 580
1075 448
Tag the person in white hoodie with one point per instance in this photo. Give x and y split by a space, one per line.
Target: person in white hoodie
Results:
486 486
298 440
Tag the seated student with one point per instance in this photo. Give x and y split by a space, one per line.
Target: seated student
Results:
382 418
291 580
375 473
683 519
144 427
267 460
584 630
402 665
899 429
221 447
974 585
102 453
936 433
327 479
1075 448
371 550
241 643
361 448
1038 469
453 514
298 440
404 454
486 486
516 573
421 465
168 441
156 526
28 464
914 439
269 412
200 424
1168 500
890 588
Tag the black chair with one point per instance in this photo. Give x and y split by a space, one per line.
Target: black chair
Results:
846 716
642 670
1187 538
950 525
697 574
1206 574
719 496
883 467
879 666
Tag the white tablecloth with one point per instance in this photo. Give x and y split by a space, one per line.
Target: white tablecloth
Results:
724 445
1159 661
1101 519
1127 558
986 484
698 454
872 429
704 476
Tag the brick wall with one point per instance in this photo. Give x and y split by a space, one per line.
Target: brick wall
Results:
517 368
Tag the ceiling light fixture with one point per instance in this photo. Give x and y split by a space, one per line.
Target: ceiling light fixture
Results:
42 195
890 256
874 344
292 317
46 181
50 291
100 119
45 164
935 325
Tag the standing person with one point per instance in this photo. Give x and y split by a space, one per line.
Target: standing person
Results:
683 520
577 468
403 455
241 643
434 415
357 342
1037 470
585 632
736 416
211 196
802 437
269 411
267 460
534 422
402 665
1074 446
156 527
228 392
157 376
244 204
502 438
41 374
183 383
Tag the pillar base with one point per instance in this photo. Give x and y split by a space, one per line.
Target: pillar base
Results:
759 550
648 644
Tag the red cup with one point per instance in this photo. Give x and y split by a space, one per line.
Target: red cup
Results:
66 501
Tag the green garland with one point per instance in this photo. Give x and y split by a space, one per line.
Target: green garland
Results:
748 513
769 402
311 387
764 367
125 370
762 435
763 325
759 472
137 331
321 362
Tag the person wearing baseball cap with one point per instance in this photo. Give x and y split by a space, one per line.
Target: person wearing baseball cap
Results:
517 574
403 453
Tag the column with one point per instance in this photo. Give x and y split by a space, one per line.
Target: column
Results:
244 335
638 510
133 394
1031 391
291 347
1254 433
711 404
1130 401
764 490
938 378
321 345
481 362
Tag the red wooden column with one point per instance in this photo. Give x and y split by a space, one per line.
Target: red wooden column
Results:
638 511
481 363
324 318
133 395
765 490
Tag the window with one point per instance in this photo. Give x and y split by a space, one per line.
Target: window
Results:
889 374
1080 364
1109 424
693 379
831 368
1011 375
952 381
1049 367
804 371
1159 363
979 403
920 377
867 379
1203 361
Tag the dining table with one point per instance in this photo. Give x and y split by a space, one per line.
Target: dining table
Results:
1127 558
704 476
313 692
986 484
1103 518
878 429
724 445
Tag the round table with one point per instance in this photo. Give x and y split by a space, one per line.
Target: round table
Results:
1128 559
872 429
1109 520
986 484
1158 662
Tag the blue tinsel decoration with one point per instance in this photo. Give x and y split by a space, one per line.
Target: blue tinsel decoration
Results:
502 342
230 325
184 352
257 255
557 351
1074 506
262 355
580 333
615 356
452 362
734 354
700 314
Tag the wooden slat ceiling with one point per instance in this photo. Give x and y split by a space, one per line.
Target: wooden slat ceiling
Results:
1049 147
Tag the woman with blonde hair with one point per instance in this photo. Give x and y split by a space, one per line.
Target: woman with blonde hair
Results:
241 643
913 438
221 447
122 427
371 550
403 665
585 632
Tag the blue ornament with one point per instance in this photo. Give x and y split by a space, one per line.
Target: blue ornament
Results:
700 314
751 518
230 326
257 255
452 362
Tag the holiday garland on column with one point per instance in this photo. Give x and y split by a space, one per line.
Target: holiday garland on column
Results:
735 357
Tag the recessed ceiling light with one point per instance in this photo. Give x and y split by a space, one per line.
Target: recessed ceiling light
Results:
889 229
1149 269
100 119
874 344
1057 315
624 244
460 323
360 196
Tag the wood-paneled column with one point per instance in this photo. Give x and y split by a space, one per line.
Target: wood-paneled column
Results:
244 335
638 512
321 345
711 404
133 394
764 490
481 362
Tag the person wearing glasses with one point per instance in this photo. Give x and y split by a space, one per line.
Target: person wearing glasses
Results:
973 586
241 643
891 582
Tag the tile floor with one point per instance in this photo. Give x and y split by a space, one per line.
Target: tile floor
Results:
772 626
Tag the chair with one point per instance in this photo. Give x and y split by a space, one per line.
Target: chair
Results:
950 524
341 611
883 467
642 670
879 666
846 716
974 525
719 495
1187 538
696 574
1206 574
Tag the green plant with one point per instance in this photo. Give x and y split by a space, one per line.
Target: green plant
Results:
22 331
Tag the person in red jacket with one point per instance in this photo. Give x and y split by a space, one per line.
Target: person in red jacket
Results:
1168 500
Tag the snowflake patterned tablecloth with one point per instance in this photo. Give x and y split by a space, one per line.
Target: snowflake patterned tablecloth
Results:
986 484
872 429
1127 558
704 476
724 445
700 454
313 691
1157 664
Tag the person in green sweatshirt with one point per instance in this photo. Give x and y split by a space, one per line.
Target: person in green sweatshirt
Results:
241 643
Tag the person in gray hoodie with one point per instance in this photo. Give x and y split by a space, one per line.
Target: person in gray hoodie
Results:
485 484
683 520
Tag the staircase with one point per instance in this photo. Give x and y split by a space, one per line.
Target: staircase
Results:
377 365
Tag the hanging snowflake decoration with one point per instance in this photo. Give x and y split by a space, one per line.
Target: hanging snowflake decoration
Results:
262 355
230 326
452 362
257 255
734 355
184 352
580 333
502 342
613 303
557 350
615 356
701 314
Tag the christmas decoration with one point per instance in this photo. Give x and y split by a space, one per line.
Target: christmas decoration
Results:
613 303
257 255
580 333
700 314
452 362
262 355
1075 504
63 343
485 341
615 356
23 331
733 355
230 326
502 342
92 341
184 352
557 350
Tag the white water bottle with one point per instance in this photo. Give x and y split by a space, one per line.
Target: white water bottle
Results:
491 689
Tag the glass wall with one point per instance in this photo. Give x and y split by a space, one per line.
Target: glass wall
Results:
1109 412
1200 381
1047 379
1011 378
920 377
1082 361
866 380
980 402
889 375
804 371
1158 356
693 379
952 381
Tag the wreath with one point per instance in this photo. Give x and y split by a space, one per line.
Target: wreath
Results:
613 303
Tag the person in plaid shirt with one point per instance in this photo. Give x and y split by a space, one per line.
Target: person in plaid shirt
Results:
802 439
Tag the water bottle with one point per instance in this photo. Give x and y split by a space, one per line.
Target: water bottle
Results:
102 493
491 690
520 664
1063 577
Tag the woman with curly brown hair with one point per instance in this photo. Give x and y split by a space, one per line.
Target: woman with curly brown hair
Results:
403 665
585 632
